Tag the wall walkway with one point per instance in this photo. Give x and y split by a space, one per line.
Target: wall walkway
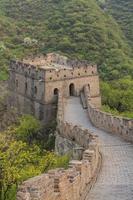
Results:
115 181
114 124
75 182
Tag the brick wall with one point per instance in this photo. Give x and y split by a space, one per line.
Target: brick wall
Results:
106 121
73 183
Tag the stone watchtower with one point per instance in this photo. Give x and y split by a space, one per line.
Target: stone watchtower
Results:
35 83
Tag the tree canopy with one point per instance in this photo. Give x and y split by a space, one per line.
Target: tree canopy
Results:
83 29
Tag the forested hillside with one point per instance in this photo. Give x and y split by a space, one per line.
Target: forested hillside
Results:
122 11
100 31
80 29
77 28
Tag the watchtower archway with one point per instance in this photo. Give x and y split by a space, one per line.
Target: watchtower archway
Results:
71 89
56 93
89 88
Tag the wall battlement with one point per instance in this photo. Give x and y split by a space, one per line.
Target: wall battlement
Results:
34 84
49 74
73 183
54 58
106 121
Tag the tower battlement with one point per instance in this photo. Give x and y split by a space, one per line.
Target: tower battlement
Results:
36 81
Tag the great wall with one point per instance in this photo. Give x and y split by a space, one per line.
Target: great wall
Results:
106 121
73 183
103 157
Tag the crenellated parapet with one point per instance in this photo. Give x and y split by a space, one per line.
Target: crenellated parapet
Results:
73 183
59 184
26 69
108 122
35 82
52 71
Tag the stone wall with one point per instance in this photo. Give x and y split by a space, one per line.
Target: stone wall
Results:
106 121
42 60
73 183
78 82
37 84
27 91
32 87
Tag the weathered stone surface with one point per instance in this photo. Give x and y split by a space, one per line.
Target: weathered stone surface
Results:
116 125
70 184
115 181
61 184
34 83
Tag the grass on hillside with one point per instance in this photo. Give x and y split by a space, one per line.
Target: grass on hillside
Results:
78 29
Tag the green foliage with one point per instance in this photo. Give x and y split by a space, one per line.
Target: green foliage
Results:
16 160
122 11
118 96
3 74
115 112
20 158
30 130
45 138
79 29
52 161
27 127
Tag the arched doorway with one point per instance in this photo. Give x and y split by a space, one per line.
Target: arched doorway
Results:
71 89
89 87
56 92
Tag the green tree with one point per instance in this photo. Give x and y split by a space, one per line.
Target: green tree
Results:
27 127
16 158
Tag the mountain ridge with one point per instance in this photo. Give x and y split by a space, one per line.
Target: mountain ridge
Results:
79 29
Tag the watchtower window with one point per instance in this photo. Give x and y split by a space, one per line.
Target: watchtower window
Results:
41 114
56 91
29 70
35 90
26 74
89 86
17 83
26 87
71 89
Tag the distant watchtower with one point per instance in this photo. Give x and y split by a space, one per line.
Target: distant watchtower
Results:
35 83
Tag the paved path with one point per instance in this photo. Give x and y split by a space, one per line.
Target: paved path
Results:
115 181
